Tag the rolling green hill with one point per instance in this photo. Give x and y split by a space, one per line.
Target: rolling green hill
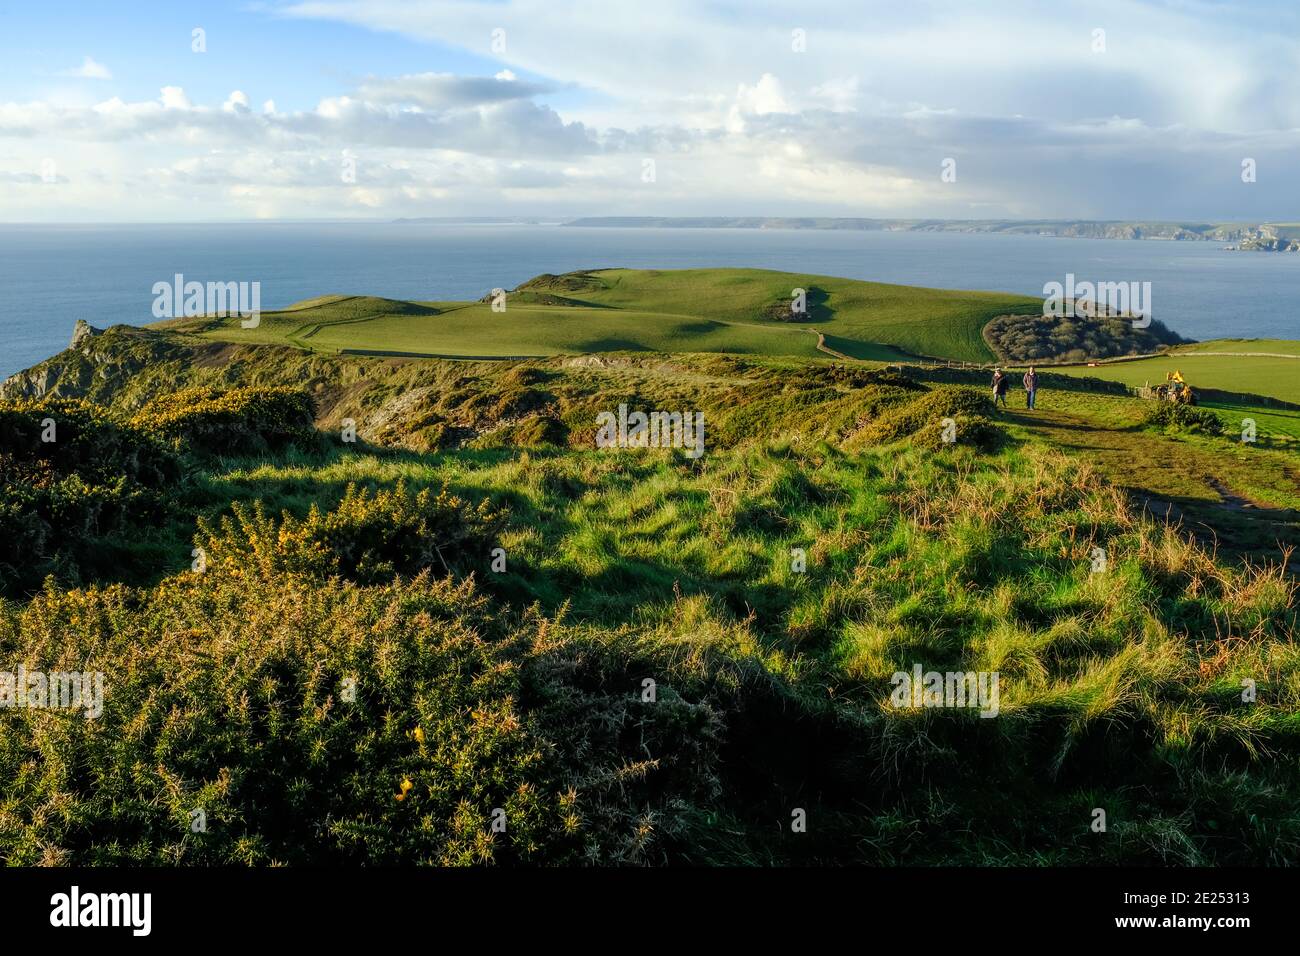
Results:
1246 346
732 311
744 311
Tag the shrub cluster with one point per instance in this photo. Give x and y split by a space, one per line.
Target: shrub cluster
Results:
1177 417
1020 338
369 537
402 724
922 421
246 420
70 474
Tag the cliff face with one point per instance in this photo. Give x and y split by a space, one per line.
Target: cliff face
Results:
82 331
97 364
392 401
1070 228
1266 241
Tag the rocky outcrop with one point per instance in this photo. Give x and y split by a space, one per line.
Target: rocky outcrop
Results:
98 364
1267 242
82 331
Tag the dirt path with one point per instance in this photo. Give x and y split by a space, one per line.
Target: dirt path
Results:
1170 479
823 347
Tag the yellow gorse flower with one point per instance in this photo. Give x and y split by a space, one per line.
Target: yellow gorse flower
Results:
407 787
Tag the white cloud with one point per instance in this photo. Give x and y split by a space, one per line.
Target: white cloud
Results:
839 94
90 70
174 98
765 96
477 122
737 120
237 102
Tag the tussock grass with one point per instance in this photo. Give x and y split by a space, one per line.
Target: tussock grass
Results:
770 591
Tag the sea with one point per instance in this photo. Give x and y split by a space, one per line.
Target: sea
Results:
52 275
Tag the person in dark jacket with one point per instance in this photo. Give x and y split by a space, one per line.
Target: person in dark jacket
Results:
1000 384
1031 387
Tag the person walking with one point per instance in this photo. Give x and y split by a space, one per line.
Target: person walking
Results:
1031 387
1000 383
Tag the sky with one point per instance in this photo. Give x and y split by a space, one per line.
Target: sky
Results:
148 111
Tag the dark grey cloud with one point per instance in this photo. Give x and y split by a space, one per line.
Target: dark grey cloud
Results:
443 91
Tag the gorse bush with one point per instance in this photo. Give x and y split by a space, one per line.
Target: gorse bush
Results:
401 724
227 695
42 440
1178 417
235 421
72 473
922 420
369 537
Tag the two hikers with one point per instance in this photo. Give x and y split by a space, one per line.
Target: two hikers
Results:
1002 381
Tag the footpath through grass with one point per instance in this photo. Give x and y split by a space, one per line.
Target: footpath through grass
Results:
1244 497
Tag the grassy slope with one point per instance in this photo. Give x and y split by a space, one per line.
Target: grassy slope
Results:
1245 346
1258 375
933 322
536 330
705 310
1120 690
1245 497
725 311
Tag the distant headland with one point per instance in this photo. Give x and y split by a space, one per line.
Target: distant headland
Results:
1248 236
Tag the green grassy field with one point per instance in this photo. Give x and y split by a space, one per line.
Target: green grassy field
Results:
699 310
538 330
859 314
1245 346
1256 375
724 311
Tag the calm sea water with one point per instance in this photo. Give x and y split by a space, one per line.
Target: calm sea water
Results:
52 275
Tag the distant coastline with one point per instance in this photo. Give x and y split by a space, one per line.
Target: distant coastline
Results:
1249 236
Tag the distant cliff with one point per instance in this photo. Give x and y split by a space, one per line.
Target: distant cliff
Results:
1065 228
1267 239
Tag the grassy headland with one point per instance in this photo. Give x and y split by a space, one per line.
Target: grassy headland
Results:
368 652
739 311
